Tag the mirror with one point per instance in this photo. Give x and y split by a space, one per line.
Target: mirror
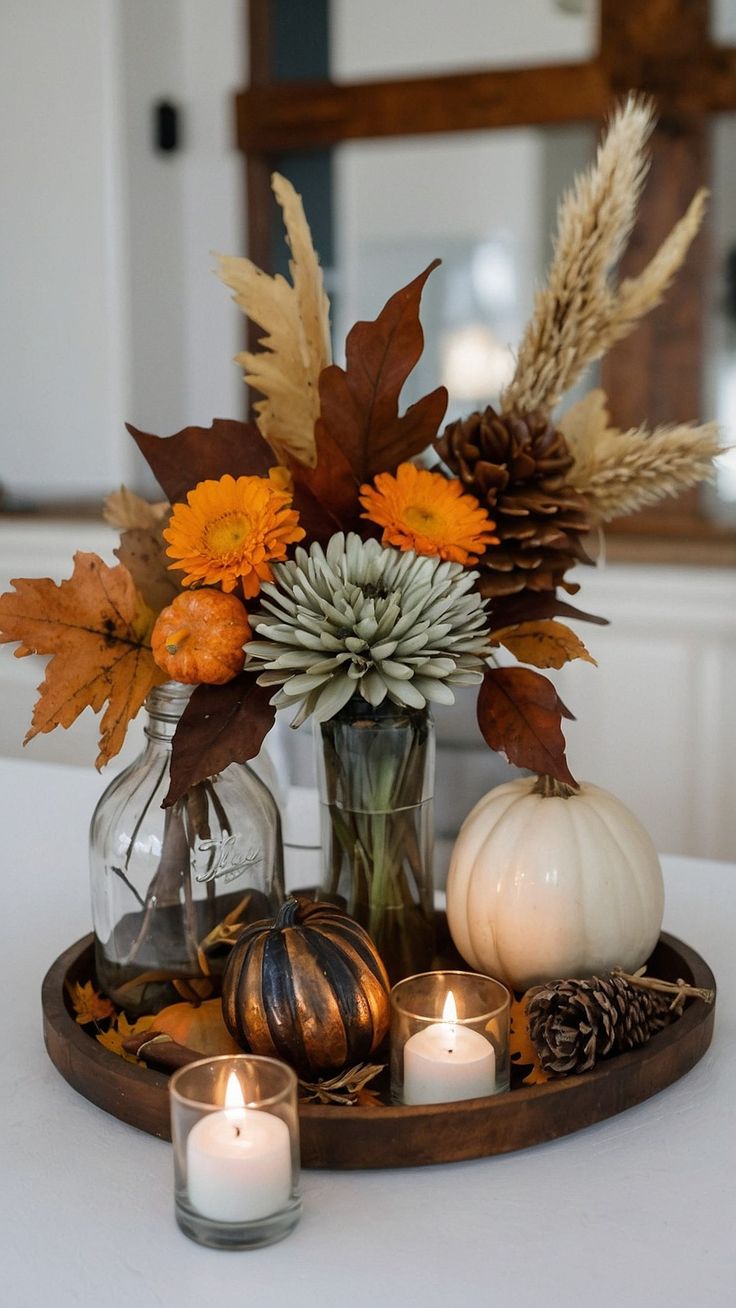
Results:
485 204
430 37
720 372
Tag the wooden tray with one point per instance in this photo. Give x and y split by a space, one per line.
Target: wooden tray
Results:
340 1137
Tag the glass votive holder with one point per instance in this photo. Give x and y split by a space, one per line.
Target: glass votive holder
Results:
449 1038
235 1132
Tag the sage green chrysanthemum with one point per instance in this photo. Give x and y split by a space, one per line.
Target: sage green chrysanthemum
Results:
360 618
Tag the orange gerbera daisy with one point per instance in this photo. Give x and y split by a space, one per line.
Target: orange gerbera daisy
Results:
426 512
230 530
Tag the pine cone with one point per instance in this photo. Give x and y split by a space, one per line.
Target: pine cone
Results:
516 465
573 1024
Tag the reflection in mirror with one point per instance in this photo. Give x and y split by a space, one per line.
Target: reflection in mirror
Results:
485 204
720 370
723 21
384 40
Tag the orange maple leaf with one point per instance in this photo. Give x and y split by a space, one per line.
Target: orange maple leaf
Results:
521 1047
544 644
122 1030
97 627
88 1004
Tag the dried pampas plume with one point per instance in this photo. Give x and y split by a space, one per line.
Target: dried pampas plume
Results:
581 311
619 472
296 319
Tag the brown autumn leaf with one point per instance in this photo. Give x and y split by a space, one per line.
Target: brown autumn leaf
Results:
519 714
325 496
360 403
97 628
531 606
521 1047
545 644
197 454
367 1098
220 725
88 1004
142 550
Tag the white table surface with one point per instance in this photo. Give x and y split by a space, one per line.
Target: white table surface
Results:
639 1211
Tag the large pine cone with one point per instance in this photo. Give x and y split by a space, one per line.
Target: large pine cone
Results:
573 1024
516 465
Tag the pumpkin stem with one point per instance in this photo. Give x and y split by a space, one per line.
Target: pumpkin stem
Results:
286 916
551 788
176 640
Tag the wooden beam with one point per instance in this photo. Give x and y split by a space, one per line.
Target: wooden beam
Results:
656 375
653 31
307 115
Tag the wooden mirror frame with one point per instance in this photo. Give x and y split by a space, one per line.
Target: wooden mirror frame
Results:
661 47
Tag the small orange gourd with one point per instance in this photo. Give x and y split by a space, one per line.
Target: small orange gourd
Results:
200 636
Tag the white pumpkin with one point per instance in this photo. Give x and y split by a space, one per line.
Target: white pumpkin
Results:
542 886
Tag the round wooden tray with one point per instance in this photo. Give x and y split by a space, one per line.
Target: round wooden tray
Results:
390 1136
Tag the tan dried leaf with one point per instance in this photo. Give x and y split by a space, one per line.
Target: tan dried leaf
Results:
142 551
126 510
347 1087
545 644
586 422
297 341
522 1052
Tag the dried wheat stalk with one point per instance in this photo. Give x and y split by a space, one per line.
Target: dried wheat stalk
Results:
581 311
297 341
619 472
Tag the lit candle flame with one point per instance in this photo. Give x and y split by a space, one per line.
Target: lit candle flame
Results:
449 1019
234 1100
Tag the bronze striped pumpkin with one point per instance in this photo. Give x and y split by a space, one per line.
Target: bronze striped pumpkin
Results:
309 988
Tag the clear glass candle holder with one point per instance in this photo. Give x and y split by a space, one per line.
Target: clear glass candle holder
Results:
235 1131
449 1038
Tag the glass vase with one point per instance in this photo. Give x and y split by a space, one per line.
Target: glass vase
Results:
376 777
167 883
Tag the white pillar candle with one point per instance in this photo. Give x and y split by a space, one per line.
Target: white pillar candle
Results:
238 1162
445 1062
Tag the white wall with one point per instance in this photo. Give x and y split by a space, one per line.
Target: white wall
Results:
184 328
110 311
656 720
62 326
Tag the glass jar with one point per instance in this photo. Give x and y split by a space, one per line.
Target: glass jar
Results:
376 780
166 884
235 1132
